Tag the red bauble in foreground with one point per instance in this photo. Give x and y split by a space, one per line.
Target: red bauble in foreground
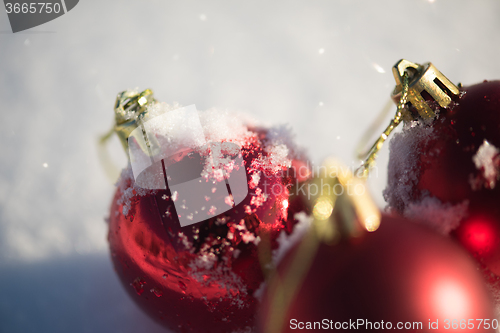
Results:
448 170
401 273
202 277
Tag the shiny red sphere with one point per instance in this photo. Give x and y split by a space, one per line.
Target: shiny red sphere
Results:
441 162
202 277
401 274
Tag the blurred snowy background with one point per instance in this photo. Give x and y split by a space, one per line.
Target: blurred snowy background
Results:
324 67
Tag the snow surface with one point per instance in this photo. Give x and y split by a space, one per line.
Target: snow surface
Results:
323 67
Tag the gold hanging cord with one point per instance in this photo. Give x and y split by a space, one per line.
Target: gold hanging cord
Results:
416 85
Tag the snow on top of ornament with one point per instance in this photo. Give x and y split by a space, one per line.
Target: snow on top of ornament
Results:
404 163
174 128
403 172
487 160
128 189
217 135
280 148
439 216
216 138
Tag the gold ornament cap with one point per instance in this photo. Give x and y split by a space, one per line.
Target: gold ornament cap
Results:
130 110
425 82
418 86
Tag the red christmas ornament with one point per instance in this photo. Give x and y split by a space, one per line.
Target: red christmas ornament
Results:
448 167
201 277
400 276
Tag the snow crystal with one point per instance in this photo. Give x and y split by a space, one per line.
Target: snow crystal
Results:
229 200
487 160
441 217
277 158
280 149
206 265
254 180
220 126
185 241
127 187
212 210
259 198
259 292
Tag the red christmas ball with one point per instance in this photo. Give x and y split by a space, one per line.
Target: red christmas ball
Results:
401 276
449 170
202 277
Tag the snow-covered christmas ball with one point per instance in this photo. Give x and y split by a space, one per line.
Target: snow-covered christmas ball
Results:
200 268
447 171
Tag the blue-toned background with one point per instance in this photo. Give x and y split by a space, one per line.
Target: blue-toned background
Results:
324 67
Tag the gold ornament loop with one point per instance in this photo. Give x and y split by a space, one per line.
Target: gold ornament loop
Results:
401 112
417 86
130 109
426 83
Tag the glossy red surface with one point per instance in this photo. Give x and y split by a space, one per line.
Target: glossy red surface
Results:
446 169
200 278
402 272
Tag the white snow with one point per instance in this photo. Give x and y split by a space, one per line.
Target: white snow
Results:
57 96
403 168
127 191
441 217
487 161
403 171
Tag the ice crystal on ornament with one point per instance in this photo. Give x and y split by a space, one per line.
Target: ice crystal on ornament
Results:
229 200
206 270
487 161
259 198
185 241
138 285
440 216
279 148
157 292
128 189
254 180
212 210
